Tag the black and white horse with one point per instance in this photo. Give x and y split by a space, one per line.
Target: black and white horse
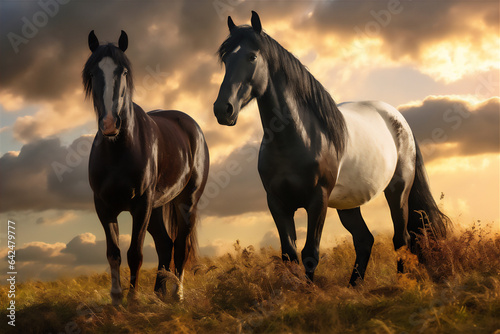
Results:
323 154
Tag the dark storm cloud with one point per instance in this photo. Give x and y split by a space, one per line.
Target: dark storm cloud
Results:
46 175
447 126
83 249
170 34
184 35
40 260
234 186
43 252
86 250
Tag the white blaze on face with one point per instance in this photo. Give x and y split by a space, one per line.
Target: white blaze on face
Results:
236 49
108 67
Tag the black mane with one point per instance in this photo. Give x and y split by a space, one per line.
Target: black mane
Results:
108 50
305 87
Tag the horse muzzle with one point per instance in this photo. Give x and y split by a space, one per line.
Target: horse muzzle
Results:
110 126
225 113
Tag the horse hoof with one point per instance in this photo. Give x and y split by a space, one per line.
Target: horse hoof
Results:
310 276
354 282
179 293
116 298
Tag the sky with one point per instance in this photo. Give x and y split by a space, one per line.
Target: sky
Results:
438 62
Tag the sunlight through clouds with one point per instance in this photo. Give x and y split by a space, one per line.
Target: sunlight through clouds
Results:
53 118
11 102
451 60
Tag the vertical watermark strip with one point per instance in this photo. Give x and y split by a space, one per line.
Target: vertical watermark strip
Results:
11 273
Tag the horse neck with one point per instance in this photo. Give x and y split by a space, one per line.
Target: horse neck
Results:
280 111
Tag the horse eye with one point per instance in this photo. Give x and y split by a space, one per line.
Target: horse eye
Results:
125 72
252 57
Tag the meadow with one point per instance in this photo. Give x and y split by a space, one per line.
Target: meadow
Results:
253 291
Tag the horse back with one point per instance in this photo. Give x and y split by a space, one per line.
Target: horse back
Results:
177 129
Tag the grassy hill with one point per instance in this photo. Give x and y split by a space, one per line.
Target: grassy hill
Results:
254 291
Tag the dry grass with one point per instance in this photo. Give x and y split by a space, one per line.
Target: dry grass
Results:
254 291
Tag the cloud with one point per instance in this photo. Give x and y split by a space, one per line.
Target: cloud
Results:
82 250
63 218
55 117
271 239
46 175
83 254
452 126
38 251
429 33
216 248
172 47
444 127
169 31
234 186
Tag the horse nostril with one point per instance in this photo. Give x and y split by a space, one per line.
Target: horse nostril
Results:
229 109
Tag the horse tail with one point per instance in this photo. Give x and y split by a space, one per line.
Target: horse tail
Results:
182 220
192 240
424 217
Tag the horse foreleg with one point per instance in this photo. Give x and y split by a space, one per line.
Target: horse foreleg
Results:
141 213
316 214
362 239
110 224
283 218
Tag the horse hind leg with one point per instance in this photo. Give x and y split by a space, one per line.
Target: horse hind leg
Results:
397 197
141 214
183 219
163 245
362 238
183 225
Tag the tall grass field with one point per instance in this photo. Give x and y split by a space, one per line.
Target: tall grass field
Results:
253 291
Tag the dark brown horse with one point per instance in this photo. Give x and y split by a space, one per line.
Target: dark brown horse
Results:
322 154
154 165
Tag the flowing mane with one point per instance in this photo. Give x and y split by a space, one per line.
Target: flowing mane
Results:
306 89
108 50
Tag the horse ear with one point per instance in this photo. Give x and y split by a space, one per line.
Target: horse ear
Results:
256 25
123 41
93 41
230 23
